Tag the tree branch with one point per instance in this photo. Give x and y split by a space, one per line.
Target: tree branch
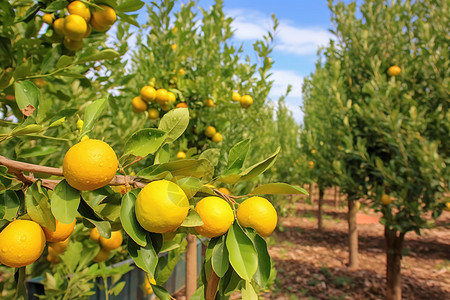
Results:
17 168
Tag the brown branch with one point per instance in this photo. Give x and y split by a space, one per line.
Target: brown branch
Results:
17 168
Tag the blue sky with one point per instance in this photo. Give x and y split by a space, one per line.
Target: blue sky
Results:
303 28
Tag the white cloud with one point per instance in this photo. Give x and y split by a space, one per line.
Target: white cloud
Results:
252 25
282 78
301 41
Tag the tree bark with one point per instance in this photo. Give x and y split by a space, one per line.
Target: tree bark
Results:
211 288
191 265
336 199
319 211
352 234
394 246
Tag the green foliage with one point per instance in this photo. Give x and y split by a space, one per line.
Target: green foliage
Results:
386 132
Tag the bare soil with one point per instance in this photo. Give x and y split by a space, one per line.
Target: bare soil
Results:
313 265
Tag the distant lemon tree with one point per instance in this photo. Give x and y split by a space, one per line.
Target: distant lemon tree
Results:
80 170
391 104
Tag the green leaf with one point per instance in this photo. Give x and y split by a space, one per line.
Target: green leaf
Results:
190 186
219 259
144 142
128 18
174 123
65 201
26 94
91 114
236 157
129 221
118 288
262 275
212 155
50 59
199 293
86 211
9 202
55 6
64 61
130 6
145 258
38 206
185 167
99 55
243 255
163 155
229 283
252 171
193 219
160 292
37 151
57 122
29 129
248 292
277 189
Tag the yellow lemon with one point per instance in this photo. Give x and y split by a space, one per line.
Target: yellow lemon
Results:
75 27
394 71
102 255
236 97
58 247
47 18
58 26
148 94
90 165
113 242
153 114
61 233
224 191
162 96
246 101
73 45
257 213
80 9
21 243
94 235
139 105
181 155
216 214
103 18
161 206
209 103
217 138
210 131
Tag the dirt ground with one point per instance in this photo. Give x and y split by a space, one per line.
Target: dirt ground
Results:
312 264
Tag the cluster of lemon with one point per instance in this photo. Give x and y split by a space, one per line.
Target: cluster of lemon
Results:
22 242
212 133
149 94
162 206
106 245
246 100
77 25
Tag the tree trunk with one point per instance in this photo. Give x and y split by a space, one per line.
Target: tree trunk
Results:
394 247
352 233
191 265
336 199
213 283
320 204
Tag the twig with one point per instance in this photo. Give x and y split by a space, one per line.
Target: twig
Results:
17 168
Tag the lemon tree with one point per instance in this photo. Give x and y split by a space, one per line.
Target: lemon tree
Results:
391 115
81 164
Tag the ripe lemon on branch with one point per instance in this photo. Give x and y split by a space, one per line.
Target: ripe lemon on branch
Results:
90 165
259 214
216 214
161 206
61 233
21 242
